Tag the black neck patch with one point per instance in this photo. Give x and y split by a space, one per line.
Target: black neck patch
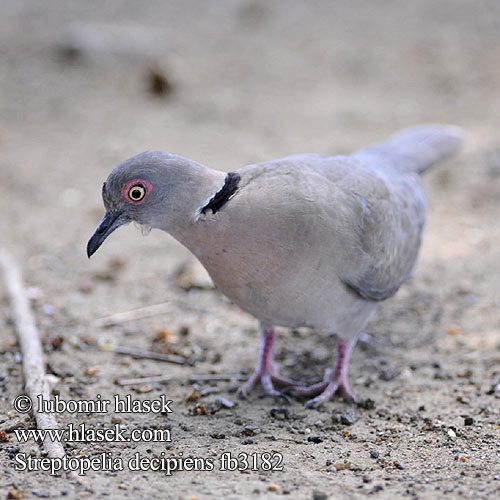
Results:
222 196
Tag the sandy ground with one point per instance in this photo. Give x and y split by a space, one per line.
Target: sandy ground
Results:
251 81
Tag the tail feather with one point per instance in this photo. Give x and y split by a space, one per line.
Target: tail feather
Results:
419 148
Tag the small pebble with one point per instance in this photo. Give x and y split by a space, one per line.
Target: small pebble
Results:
14 494
92 371
251 430
218 435
468 421
40 494
224 402
346 418
374 454
48 310
280 413
319 495
314 439
343 466
387 374
366 404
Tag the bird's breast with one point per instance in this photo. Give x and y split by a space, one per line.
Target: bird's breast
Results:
277 271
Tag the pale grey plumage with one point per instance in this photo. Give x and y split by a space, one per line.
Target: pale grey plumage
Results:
306 240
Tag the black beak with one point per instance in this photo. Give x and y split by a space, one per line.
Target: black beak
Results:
110 222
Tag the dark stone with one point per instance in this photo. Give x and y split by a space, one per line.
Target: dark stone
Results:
315 439
319 495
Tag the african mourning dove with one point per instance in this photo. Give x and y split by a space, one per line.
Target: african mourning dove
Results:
306 240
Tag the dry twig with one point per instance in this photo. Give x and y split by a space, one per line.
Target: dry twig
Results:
139 353
142 312
192 378
35 380
219 377
145 380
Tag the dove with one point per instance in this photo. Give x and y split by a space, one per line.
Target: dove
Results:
307 240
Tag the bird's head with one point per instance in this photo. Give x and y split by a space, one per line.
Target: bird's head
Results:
154 189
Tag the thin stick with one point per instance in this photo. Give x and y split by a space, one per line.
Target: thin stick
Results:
141 312
139 353
192 378
145 380
31 351
222 377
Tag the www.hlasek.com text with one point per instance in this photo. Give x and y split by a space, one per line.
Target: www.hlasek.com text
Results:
81 433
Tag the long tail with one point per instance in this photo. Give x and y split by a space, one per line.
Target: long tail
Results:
417 148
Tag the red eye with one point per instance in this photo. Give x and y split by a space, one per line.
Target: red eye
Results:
136 191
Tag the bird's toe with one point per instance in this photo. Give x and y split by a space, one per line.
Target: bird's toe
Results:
332 388
311 390
286 382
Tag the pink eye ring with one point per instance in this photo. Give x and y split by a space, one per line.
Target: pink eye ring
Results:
136 191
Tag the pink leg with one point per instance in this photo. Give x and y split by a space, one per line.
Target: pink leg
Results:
336 381
266 372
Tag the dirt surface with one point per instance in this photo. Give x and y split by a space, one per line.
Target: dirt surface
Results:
85 85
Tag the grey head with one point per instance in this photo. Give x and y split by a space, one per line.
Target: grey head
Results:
155 189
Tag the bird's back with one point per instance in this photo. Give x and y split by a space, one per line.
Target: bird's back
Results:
374 195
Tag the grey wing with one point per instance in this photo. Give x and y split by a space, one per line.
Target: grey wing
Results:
378 213
390 237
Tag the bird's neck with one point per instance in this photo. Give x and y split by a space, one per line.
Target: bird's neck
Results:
185 224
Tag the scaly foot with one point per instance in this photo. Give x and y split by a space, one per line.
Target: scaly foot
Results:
266 372
334 381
